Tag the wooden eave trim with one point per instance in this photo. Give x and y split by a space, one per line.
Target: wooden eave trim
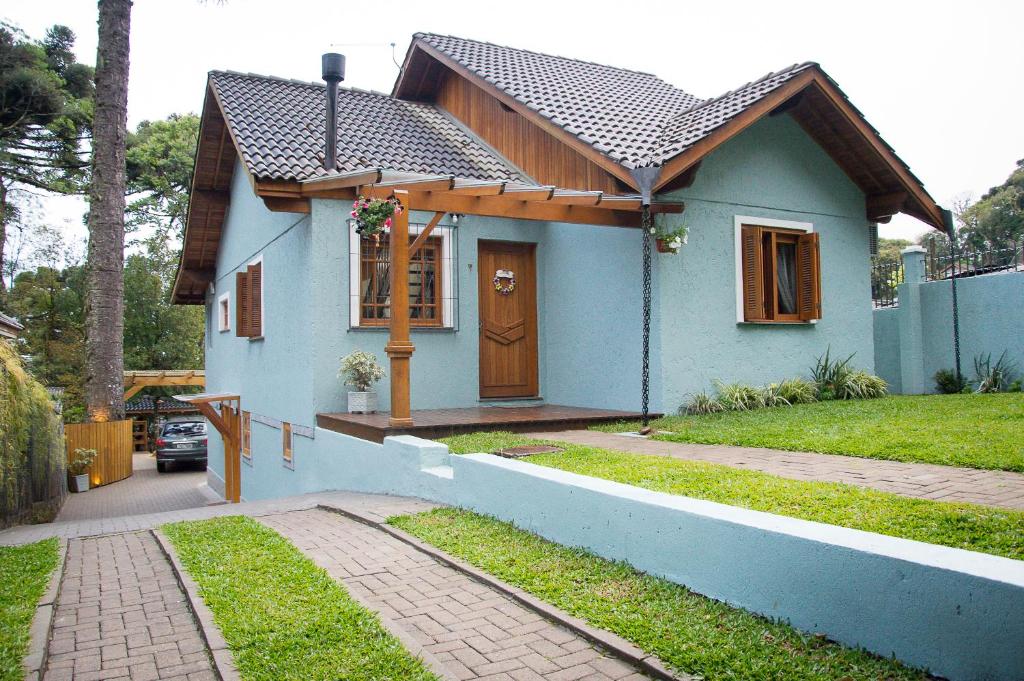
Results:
679 164
559 133
812 77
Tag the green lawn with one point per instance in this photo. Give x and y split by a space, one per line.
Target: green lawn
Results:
24 576
282 616
967 526
689 632
978 431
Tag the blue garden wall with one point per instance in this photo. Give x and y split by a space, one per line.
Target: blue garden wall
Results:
956 612
915 339
773 170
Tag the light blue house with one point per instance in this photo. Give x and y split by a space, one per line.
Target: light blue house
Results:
528 293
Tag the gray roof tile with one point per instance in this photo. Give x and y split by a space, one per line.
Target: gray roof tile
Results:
619 112
279 125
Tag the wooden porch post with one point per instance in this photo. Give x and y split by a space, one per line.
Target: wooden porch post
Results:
400 347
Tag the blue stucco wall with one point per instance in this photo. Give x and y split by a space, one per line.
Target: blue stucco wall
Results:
953 611
991 311
773 170
272 374
588 304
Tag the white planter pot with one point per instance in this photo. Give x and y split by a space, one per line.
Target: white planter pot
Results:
362 403
80 483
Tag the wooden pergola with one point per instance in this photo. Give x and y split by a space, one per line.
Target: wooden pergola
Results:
135 381
443 194
223 411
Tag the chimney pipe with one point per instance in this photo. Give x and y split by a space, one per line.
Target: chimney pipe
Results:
333 68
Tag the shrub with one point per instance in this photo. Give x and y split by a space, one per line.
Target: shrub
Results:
798 391
771 396
860 385
360 370
702 403
994 378
739 397
948 383
829 375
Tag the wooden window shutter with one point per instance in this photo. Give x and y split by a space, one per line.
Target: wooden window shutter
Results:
242 311
753 274
256 299
809 270
286 441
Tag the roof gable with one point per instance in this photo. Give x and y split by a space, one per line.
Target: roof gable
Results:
279 128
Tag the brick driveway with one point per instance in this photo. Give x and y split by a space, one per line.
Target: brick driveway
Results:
122 615
146 491
473 630
924 481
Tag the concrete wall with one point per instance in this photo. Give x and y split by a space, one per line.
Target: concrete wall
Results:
773 170
915 339
953 611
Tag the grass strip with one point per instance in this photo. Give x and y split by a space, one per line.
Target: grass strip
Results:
24 575
966 526
282 616
692 633
975 431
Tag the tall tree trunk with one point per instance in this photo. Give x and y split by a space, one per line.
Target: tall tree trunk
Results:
3 235
104 376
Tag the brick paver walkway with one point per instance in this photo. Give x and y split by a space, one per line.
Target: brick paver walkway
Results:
146 491
475 631
122 615
925 481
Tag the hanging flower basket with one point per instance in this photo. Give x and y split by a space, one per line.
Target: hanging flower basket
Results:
671 242
373 216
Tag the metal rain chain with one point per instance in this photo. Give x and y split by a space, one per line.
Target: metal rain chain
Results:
645 391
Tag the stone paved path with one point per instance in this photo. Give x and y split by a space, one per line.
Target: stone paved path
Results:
926 481
122 615
475 631
146 491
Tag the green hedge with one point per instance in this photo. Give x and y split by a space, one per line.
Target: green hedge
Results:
32 460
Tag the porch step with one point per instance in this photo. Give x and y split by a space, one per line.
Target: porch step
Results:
512 403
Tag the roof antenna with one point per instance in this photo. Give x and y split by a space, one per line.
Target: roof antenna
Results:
333 70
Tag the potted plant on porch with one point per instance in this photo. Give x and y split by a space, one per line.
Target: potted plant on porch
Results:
360 370
78 476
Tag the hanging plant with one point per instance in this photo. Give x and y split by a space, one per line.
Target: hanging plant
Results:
671 241
374 216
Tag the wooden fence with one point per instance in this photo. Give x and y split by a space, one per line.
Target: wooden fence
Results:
113 443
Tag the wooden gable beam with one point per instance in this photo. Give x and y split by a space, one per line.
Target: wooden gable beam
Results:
556 131
882 206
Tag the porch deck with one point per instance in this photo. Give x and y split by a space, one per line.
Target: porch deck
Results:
435 423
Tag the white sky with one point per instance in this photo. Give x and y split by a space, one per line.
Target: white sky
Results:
940 80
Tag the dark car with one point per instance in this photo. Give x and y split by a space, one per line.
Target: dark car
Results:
181 442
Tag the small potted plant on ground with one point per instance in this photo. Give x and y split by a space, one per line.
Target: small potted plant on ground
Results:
374 216
360 370
78 467
671 241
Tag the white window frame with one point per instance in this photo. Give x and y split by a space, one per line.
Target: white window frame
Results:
355 271
224 303
749 220
258 260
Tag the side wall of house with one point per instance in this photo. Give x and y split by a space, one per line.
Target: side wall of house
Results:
773 170
272 374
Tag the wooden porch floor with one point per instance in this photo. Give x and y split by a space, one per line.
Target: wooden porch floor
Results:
435 423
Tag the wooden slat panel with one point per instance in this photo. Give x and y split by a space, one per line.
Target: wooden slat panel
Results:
753 274
809 271
114 444
539 154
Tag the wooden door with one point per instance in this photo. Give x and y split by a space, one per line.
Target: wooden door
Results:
508 319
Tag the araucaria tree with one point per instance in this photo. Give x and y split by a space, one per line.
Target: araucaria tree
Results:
45 114
104 380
